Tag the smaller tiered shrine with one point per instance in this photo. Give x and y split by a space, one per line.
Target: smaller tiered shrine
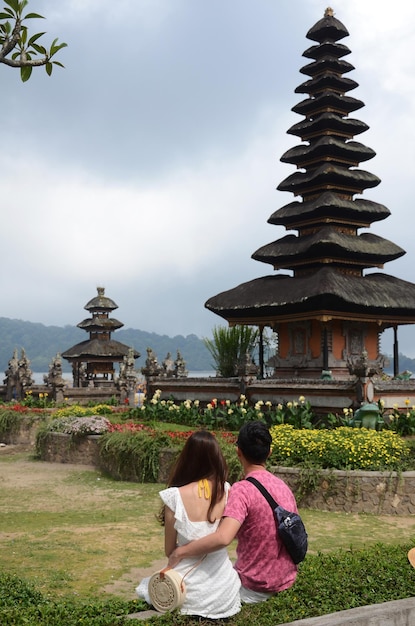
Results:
93 360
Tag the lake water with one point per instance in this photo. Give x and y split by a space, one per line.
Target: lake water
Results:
38 376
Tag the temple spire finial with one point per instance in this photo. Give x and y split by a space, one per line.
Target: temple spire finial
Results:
329 12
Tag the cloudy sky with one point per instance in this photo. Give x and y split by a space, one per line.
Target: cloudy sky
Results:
149 164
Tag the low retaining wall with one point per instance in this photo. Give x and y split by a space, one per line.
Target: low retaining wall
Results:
61 448
396 613
387 493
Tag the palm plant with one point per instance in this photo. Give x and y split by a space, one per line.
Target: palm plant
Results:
229 347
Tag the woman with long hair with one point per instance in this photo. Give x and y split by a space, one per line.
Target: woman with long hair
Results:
193 504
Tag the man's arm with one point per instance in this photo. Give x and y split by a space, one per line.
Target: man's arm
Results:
221 538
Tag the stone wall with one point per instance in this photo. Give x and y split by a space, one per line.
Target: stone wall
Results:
387 493
61 448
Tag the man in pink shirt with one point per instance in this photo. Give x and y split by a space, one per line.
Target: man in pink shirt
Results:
263 563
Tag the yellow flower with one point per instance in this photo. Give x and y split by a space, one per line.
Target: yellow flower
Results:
407 402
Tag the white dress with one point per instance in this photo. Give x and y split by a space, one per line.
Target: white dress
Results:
212 587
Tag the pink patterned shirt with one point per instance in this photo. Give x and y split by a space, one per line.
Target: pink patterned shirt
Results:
263 563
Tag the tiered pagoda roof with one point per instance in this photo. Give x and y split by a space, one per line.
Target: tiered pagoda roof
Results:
328 255
99 346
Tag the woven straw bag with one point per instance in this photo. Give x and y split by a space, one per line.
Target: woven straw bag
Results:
167 590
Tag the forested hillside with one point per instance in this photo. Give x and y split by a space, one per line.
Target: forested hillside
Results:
42 343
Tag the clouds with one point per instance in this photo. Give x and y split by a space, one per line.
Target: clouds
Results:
149 164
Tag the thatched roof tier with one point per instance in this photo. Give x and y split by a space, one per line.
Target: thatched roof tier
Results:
328 124
327 63
329 207
328 245
329 177
98 350
101 302
328 148
327 48
328 101
325 81
329 28
100 324
325 294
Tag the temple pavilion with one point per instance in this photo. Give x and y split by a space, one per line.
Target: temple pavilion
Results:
93 360
334 305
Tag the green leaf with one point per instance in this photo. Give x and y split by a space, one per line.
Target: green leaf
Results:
14 4
54 48
5 16
33 15
25 73
40 49
58 63
34 38
49 68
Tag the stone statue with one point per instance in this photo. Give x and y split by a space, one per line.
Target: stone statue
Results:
152 367
54 376
180 370
54 379
18 376
127 380
167 366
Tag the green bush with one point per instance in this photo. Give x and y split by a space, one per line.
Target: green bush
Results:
342 448
10 422
326 583
133 456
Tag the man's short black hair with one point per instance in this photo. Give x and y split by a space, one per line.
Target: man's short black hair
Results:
254 441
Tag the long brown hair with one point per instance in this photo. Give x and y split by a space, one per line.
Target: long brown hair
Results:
200 458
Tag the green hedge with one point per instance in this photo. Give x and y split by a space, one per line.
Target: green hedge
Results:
326 583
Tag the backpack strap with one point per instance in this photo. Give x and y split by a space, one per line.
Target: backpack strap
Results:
264 492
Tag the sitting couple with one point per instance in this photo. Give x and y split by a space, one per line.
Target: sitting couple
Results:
202 516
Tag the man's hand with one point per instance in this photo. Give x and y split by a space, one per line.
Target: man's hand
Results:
174 558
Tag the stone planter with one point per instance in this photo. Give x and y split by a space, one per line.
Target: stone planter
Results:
61 448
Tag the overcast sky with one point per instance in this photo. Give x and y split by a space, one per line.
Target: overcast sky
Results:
149 164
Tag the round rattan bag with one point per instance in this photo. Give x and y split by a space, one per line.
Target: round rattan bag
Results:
167 590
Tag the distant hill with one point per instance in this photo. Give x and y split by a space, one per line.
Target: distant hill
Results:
42 343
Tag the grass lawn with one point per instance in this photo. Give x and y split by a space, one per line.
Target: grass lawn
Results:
71 530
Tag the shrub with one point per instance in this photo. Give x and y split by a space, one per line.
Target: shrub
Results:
133 456
82 411
229 347
326 583
402 422
342 448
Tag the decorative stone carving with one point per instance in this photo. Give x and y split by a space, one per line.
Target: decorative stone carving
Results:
180 370
167 366
127 380
54 379
152 367
18 376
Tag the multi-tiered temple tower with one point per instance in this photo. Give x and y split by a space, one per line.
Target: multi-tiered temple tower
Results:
93 360
328 312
